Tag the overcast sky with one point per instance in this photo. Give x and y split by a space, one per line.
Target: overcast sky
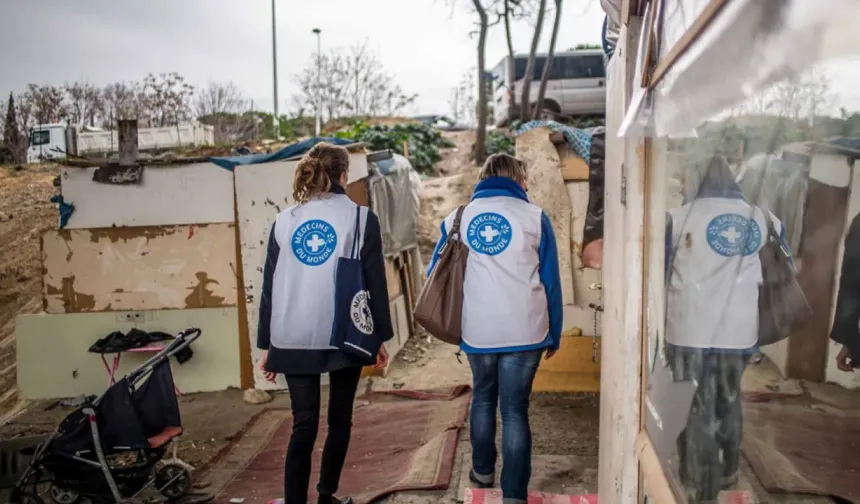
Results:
425 44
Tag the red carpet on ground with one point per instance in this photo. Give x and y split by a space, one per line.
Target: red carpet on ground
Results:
478 496
401 440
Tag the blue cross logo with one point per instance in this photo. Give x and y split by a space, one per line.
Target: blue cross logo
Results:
732 235
313 242
489 233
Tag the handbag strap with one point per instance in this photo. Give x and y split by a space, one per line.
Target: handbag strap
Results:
455 228
355 248
773 235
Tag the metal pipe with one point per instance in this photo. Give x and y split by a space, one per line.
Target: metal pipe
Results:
317 31
275 69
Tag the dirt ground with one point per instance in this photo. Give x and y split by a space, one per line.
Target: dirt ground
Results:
25 210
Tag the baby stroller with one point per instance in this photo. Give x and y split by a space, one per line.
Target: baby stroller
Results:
111 447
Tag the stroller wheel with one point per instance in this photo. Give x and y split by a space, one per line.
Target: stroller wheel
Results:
173 481
64 496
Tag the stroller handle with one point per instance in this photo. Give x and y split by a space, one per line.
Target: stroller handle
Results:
181 341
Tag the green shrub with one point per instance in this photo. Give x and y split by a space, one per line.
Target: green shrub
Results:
500 141
423 141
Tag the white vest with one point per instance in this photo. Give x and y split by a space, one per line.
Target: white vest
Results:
504 302
712 296
311 237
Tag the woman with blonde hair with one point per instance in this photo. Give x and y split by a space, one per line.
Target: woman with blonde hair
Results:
297 312
512 316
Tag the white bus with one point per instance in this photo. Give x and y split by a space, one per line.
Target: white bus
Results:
576 85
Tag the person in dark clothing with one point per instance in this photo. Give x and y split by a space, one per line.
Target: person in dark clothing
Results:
297 313
846 319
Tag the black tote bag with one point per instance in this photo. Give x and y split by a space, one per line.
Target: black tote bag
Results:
353 329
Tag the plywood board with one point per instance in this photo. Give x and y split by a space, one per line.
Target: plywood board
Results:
573 167
572 369
262 191
359 192
53 360
823 224
546 190
140 268
197 193
392 278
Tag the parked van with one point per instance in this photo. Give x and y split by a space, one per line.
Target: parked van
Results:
576 85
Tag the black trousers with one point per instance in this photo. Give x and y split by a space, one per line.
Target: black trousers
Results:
305 404
709 448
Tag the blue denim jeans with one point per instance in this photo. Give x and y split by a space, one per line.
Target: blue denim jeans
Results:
503 379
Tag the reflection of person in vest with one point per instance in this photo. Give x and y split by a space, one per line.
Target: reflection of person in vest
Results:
713 277
297 313
846 318
512 316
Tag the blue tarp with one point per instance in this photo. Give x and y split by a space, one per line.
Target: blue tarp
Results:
296 149
852 143
579 139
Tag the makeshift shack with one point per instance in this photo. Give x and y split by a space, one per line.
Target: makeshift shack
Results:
561 166
179 244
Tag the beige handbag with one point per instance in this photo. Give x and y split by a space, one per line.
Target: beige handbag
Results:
439 308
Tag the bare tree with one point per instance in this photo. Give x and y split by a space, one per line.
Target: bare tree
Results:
463 101
508 14
525 103
123 100
480 149
547 66
44 104
352 82
168 98
86 103
222 106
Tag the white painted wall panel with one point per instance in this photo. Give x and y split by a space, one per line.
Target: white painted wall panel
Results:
53 361
262 191
197 193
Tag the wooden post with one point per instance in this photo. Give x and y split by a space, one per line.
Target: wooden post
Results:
128 142
620 377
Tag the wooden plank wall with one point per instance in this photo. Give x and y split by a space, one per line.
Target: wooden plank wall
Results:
823 225
620 379
139 268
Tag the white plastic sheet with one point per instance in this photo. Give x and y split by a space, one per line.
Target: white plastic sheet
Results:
749 45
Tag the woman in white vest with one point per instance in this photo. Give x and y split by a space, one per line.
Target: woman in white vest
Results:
512 315
712 320
297 312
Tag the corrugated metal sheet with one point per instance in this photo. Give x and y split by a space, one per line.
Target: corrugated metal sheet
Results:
143 268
